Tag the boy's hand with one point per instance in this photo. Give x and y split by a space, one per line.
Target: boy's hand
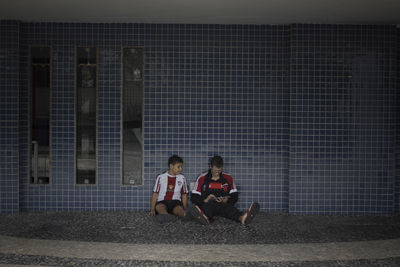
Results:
152 212
222 199
210 197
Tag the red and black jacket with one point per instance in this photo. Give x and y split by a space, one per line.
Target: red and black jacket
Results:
222 187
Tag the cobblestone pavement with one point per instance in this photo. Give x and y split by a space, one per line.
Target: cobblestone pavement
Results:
136 239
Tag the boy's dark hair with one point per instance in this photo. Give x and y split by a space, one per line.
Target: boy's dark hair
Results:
217 161
174 159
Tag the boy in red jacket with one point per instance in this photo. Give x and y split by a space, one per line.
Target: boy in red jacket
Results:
215 194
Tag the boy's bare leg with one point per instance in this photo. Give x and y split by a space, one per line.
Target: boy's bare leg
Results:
178 211
161 209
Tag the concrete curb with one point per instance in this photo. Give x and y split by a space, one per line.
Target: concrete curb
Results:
378 249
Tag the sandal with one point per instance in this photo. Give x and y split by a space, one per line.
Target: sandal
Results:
198 214
251 212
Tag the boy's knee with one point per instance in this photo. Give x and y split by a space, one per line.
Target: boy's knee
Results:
178 210
161 208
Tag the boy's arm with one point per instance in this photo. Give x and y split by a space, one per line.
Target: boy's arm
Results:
153 204
197 197
233 196
184 201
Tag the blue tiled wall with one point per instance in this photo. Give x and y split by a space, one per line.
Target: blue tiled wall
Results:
209 89
342 119
9 80
304 115
215 89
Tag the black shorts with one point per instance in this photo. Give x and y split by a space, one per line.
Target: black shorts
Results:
170 204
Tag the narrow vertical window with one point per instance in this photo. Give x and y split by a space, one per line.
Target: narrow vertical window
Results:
86 115
39 109
132 115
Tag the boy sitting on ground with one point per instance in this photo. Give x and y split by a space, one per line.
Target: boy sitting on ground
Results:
215 194
170 193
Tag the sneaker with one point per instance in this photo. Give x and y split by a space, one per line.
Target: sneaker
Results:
251 212
198 214
165 218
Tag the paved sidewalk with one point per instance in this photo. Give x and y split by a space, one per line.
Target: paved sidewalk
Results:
135 239
379 249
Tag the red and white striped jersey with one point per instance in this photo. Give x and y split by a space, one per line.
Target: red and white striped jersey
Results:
170 187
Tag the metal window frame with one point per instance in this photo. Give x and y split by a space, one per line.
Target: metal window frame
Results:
29 137
122 119
75 115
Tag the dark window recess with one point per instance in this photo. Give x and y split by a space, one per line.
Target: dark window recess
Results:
132 105
39 115
86 115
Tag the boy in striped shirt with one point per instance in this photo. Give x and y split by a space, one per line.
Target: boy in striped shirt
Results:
170 192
